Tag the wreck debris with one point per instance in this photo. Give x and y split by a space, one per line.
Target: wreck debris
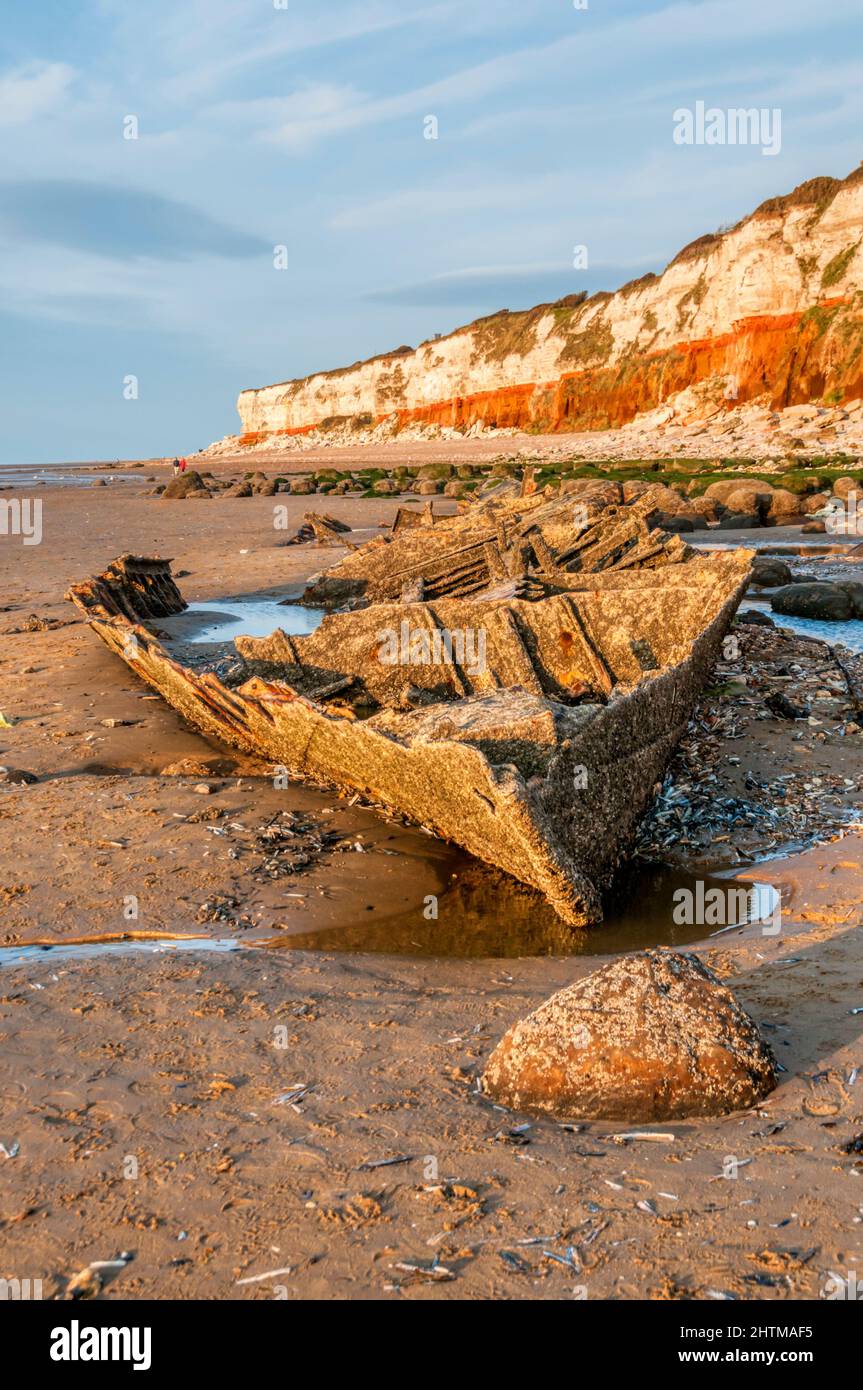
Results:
502 538
134 587
324 529
649 1037
531 733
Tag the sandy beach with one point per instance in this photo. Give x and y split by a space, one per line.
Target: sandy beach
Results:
284 1117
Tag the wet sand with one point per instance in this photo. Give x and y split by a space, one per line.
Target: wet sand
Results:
184 1062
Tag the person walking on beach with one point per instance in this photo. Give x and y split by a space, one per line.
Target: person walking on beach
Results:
176 467
182 465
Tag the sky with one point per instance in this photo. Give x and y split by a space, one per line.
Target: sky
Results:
297 124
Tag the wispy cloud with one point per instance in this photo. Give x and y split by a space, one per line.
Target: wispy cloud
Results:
34 90
116 222
512 286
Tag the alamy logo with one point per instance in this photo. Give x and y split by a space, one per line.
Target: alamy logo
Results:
735 125
844 518
728 907
76 1343
846 1289
20 1290
22 516
419 646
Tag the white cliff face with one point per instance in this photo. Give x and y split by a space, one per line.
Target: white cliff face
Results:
718 309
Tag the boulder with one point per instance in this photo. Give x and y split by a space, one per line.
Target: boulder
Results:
183 484
844 486
675 524
770 573
828 602
385 487
427 487
719 491
785 508
706 508
455 488
734 521
755 618
854 590
649 1037
669 500
722 490
239 490
302 486
748 501
814 502
814 528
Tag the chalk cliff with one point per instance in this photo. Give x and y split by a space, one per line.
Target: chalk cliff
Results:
770 309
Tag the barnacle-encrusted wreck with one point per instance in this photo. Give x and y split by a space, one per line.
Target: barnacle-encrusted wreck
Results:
511 678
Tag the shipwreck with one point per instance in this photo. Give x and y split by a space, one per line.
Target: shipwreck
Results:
514 678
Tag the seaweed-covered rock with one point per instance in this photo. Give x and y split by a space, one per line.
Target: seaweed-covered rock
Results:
768 572
650 1037
675 522
854 590
829 602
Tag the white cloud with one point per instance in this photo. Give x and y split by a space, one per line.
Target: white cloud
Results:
35 90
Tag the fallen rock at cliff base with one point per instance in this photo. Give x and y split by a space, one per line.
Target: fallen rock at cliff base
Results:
650 1037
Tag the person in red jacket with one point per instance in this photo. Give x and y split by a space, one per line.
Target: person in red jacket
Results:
182 465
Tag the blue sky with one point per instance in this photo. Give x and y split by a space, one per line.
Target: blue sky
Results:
304 126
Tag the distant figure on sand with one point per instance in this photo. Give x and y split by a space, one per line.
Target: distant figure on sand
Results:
176 467
182 465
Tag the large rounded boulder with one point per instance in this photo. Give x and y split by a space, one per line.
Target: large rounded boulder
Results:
828 602
768 572
785 508
649 1037
184 484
